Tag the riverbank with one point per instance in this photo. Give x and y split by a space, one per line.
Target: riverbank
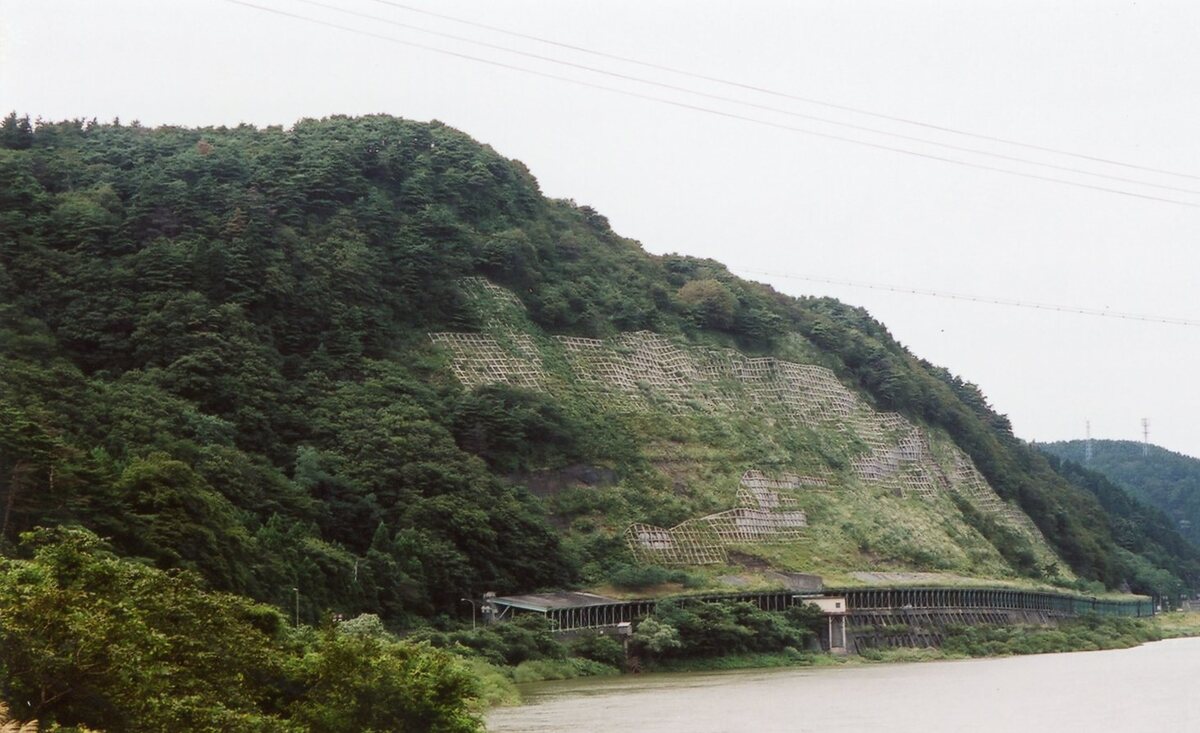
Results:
1084 634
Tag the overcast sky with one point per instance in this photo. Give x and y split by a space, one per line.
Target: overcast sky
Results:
1113 80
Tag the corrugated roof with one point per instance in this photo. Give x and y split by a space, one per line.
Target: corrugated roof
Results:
549 601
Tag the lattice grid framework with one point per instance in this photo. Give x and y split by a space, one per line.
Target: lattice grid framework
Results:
642 370
765 514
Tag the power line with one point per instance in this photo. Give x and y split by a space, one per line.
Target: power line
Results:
753 105
1100 312
783 95
708 110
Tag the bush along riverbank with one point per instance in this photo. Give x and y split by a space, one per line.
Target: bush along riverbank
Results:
1086 633
728 636
706 637
525 650
683 636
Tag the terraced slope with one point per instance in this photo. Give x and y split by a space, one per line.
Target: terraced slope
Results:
882 492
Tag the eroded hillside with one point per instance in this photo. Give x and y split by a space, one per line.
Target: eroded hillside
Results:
853 488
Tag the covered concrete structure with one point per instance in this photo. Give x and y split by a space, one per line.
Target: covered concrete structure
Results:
834 609
569 610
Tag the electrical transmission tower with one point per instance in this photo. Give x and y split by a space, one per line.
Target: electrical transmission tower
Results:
1087 449
1145 437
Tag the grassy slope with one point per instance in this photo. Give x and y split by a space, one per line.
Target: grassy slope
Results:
691 460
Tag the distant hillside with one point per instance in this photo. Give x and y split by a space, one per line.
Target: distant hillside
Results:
1161 478
364 364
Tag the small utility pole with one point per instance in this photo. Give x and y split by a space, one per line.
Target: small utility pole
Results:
297 592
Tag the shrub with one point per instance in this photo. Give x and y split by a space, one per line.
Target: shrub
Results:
637 577
600 648
1083 634
655 638
537 670
709 302
703 629
506 644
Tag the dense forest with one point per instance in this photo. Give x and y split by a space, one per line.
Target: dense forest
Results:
213 354
1161 478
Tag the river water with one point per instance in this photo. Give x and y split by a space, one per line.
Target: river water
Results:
1149 688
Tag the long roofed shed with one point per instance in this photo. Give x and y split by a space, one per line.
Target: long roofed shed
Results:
571 609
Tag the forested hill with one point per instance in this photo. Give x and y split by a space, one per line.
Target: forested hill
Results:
1161 478
216 352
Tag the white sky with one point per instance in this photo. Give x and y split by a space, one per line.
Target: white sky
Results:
1119 80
